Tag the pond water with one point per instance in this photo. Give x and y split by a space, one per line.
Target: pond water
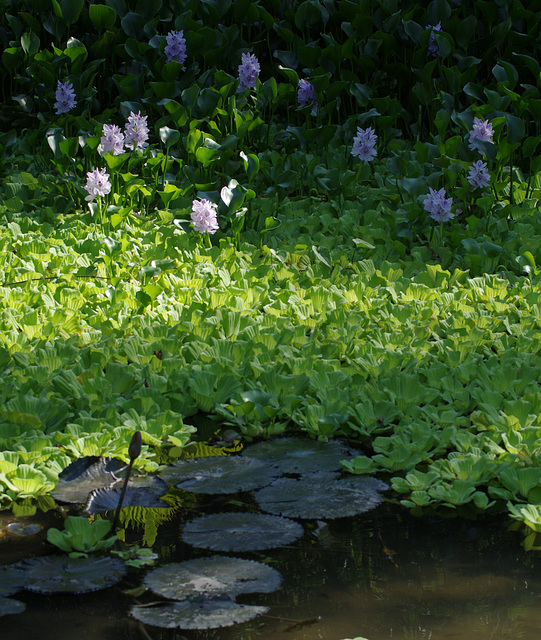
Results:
381 575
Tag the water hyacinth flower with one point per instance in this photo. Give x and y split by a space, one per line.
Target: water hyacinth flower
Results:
438 206
112 140
175 49
65 97
433 48
248 71
478 175
364 144
204 216
97 184
481 130
306 95
136 132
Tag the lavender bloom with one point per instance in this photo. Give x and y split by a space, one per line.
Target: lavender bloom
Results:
248 71
97 184
65 97
176 47
478 175
364 144
481 130
433 48
438 206
112 140
204 216
306 94
136 133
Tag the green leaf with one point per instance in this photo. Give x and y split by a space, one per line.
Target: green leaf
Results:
102 16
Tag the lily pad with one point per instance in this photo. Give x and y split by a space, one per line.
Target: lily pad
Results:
9 606
300 455
23 529
221 474
241 532
321 496
85 475
197 613
143 496
12 579
62 574
212 577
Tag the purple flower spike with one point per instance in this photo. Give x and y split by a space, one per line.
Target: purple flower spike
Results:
175 50
204 216
65 97
438 206
364 144
433 48
248 71
306 94
481 130
112 140
478 175
136 134
97 184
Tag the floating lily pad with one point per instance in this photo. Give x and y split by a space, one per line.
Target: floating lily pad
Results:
12 579
62 574
85 475
212 577
221 474
197 613
241 532
321 496
300 455
144 496
9 606
23 529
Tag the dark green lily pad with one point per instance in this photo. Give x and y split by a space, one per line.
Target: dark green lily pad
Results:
12 579
85 475
220 474
300 455
102 500
62 574
23 529
241 532
212 577
196 613
9 606
321 496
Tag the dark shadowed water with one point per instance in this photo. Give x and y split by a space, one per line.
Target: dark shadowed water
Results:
382 575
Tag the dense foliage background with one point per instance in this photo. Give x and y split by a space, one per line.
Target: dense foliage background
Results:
329 302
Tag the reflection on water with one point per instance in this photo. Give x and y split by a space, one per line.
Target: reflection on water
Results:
382 575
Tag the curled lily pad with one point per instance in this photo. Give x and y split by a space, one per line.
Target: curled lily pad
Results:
62 574
221 474
85 475
300 455
212 577
9 606
12 579
321 496
241 532
196 613
136 496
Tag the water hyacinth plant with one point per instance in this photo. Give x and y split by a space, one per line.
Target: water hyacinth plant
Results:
138 323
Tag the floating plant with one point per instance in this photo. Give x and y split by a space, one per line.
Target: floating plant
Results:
9 606
196 613
300 455
321 496
85 475
221 474
62 574
102 500
12 579
212 577
241 532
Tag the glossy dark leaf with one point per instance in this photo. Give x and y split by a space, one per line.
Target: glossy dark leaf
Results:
241 532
